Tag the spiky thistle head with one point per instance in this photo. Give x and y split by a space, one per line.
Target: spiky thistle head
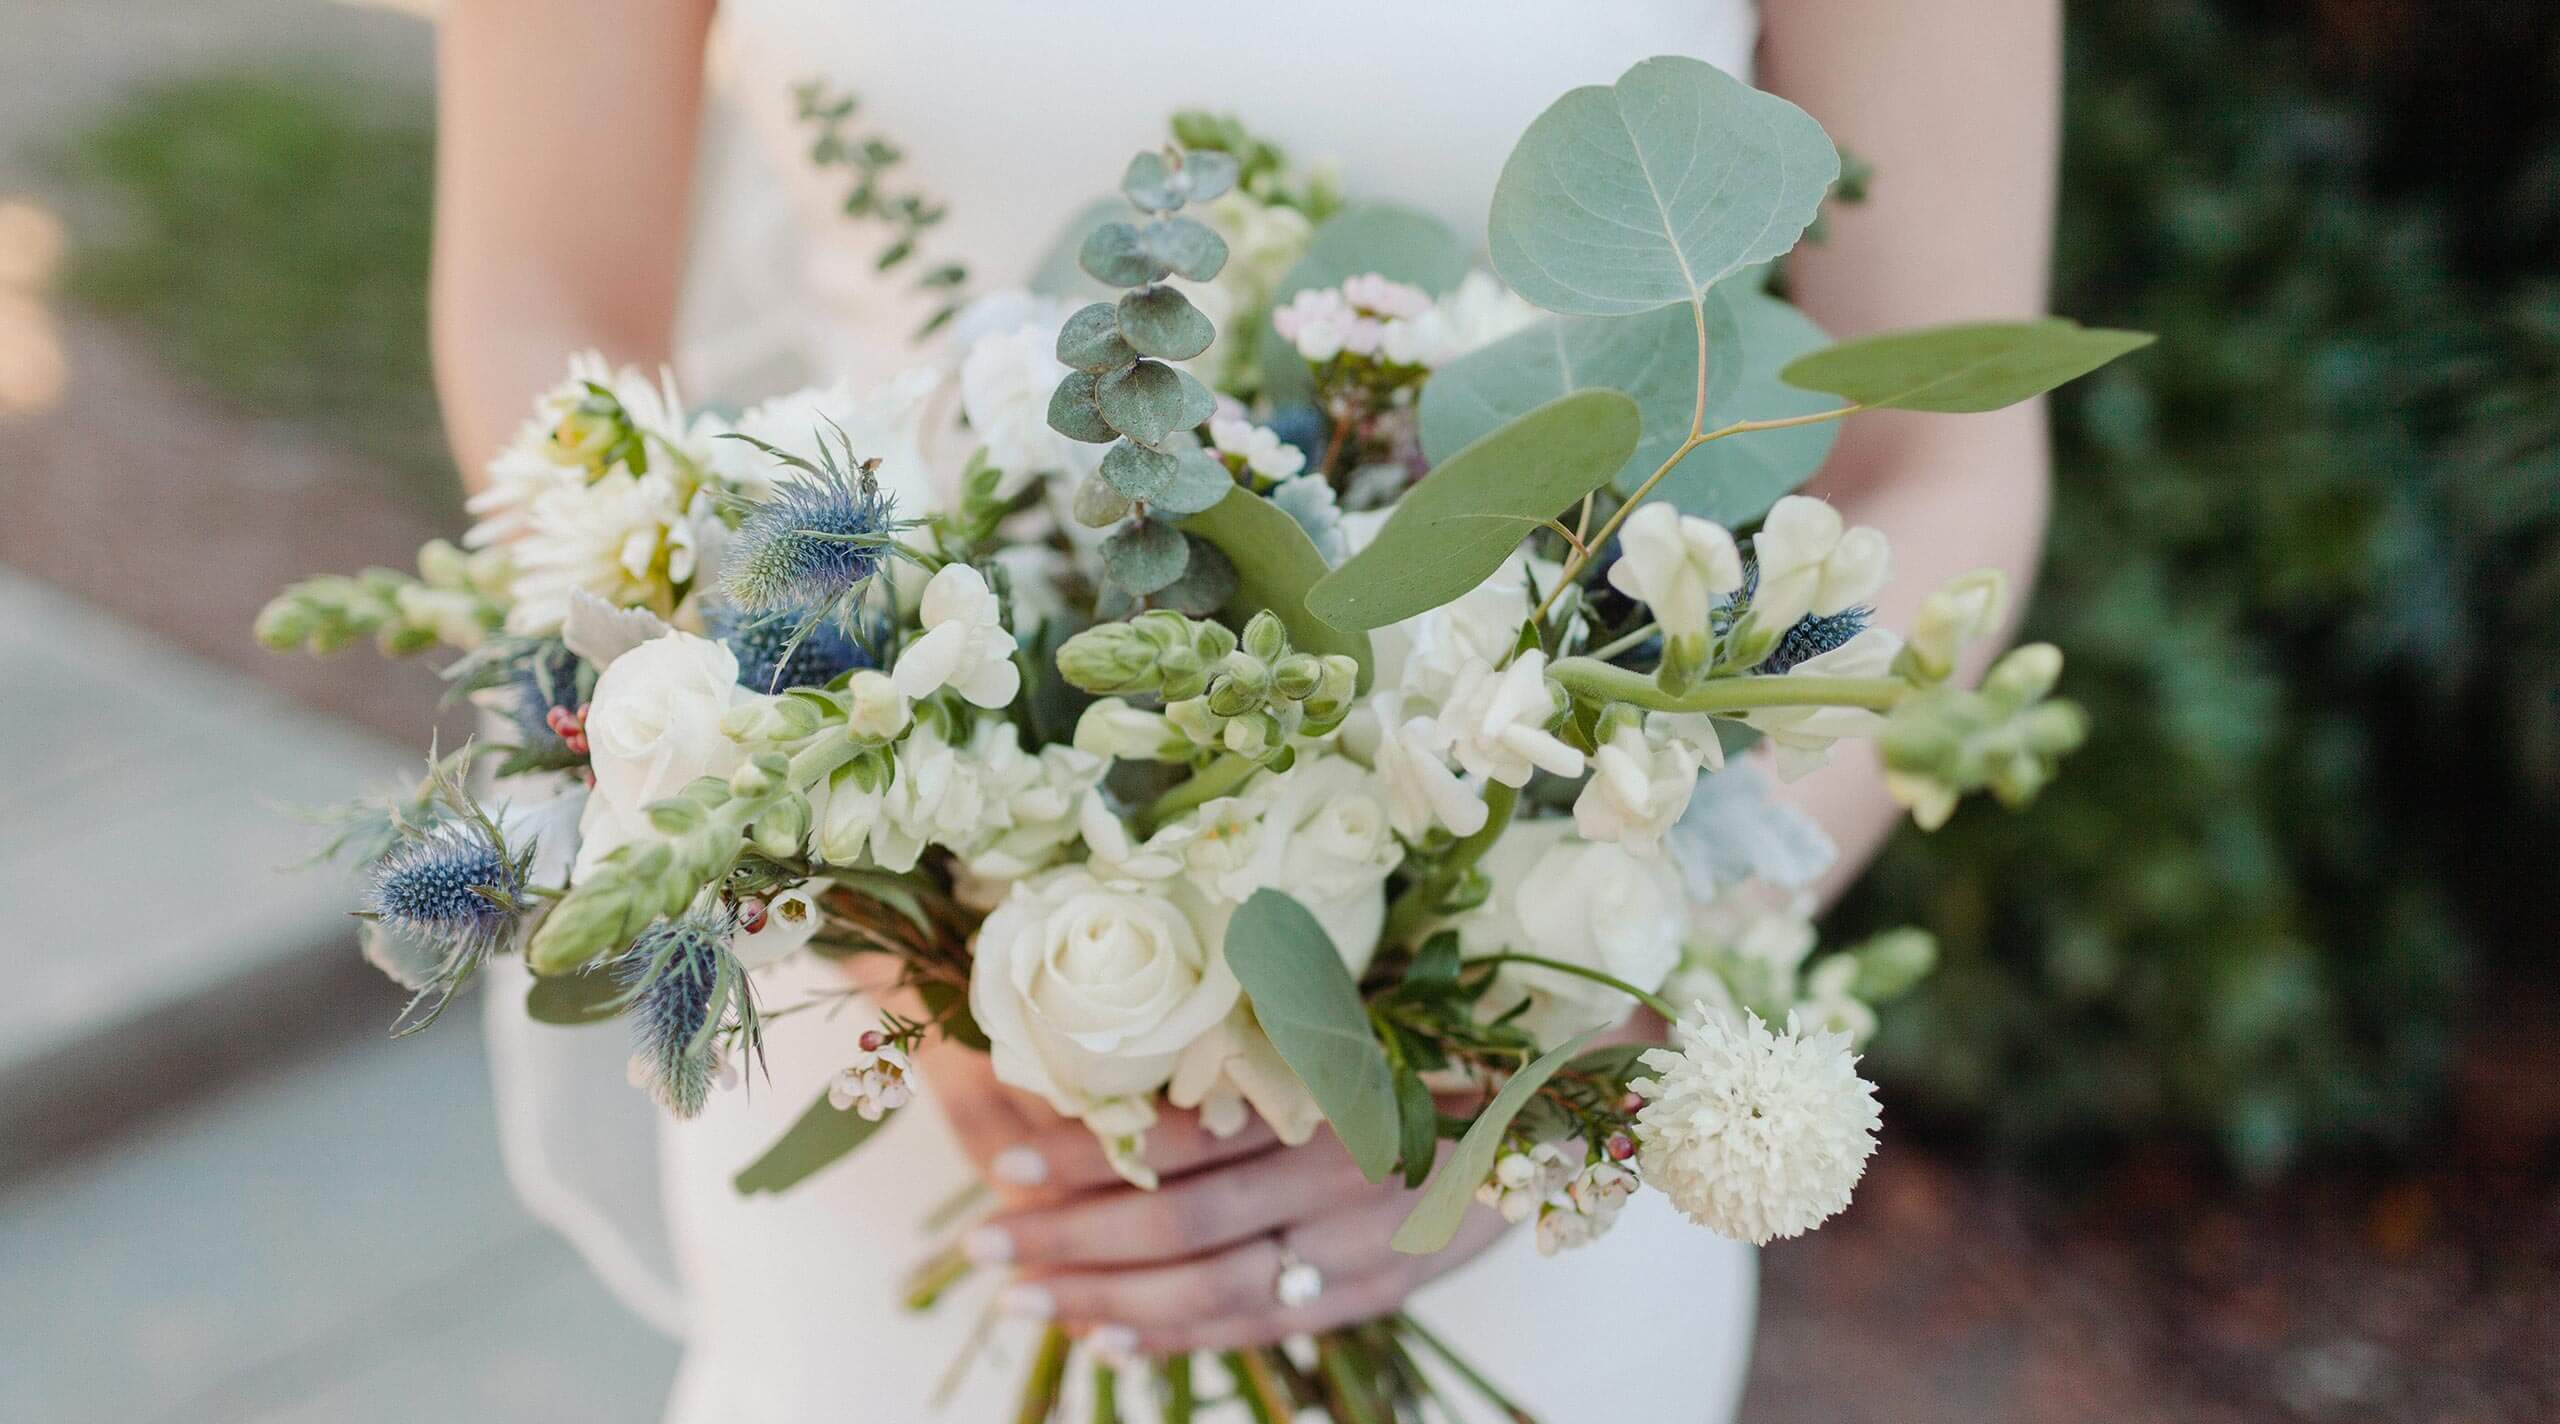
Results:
1813 635
818 539
769 661
454 888
685 988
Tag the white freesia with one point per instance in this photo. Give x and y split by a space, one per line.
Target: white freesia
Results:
1801 737
1811 563
1755 1135
1411 759
1593 906
653 727
1638 788
1675 564
1497 722
964 645
1090 990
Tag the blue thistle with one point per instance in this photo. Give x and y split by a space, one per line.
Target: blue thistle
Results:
816 541
542 678
767 659
1813 635
454 890
684 987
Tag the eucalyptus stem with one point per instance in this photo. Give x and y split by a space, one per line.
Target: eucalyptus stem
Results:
1598 680
1421 900
1048 1374
1458 1366
1209 783
1655 1002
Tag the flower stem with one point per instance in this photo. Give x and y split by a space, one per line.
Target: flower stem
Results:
1179 1401
1421 900
1257 1387
1406 1324
1655 1002
937 1274
1048 1373
1630 641
1346 1381
1593 678
1218 778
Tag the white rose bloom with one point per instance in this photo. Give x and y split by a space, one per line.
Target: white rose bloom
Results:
1233 1067
1411 760
1638 789
1565 898
653 728
1810 563
1497 722
1755 1135
1262 450
1801 737
1005 384
964 646
1675 564
1090 990
1319 833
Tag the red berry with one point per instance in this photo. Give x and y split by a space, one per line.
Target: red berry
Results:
751 914
1621 1147
1631 1104
871 1040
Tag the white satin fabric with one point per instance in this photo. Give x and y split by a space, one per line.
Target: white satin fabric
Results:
1017 113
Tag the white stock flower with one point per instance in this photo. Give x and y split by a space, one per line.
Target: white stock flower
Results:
1005 384
1638 788
1675 564
653 727
1004 811
1261 450
1811 563
875 1084
964 645
1752 1134
1034 802
1089 991
1411 760
1497 722
1800 737
1423 655
1564 898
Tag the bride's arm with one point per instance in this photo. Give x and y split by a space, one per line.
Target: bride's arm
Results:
564 160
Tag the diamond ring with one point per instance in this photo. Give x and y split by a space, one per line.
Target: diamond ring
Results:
1298 1282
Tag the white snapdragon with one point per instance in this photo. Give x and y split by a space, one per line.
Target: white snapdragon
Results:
1423 655
1110 727
875 709
1676 564
1258 446
1958 612
1412 762
791 919
653 726
1801 737
875 1084
1810 562
1638 789
1497 722
844 811
964 645
1755 1135
1585 904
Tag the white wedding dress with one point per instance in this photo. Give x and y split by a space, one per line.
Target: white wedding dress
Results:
1017 114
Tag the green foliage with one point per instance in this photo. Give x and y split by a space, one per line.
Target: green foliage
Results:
1434 1220
1960 369
1310 1009
821 1136
1734 481
1276 564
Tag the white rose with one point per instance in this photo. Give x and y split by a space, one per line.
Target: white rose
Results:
1638 788
1090 990
1675 564
1565 898
653 728
1810 563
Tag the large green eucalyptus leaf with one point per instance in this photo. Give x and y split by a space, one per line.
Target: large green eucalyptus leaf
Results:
1276 564
1626 197
1434 1221
1453 530
1733 481
1397 243
1308 1006
822 1135
1960 369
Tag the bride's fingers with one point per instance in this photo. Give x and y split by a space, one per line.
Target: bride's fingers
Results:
1068 1156
1341 1302
1239 1280
1186 1217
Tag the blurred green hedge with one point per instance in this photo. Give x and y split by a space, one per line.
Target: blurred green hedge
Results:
2306 568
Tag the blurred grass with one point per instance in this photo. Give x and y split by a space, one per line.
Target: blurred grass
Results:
269 234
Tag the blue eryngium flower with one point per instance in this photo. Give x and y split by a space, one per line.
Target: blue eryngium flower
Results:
767 659
541 679
1814 635
816 541
454 890
684 986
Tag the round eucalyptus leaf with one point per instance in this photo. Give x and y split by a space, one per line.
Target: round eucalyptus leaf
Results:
1183 246
1090 341
1138 472
1152 184
1145 555
1074 414
1211 173
1159 321
1152 400
1208 581
1098 505
1116 254
1199 481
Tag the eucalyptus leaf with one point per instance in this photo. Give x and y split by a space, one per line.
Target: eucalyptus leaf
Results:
1138 472
823 1134
1434 1221
1150 183
1090 340
1160 321
1074 413
1208 581
1116 256
1098 505
1961 369
1418 1122
1145 555
1209 173
1454 529
1276 564
1183 246
1150 401
1733 481
593 996
1200 480
1310 1009
1058 273
1626 197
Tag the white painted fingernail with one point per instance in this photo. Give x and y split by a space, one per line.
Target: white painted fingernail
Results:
987 1246
1026 1302
1020 1167
1117 1344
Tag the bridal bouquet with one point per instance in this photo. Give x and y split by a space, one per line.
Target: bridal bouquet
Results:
1276 668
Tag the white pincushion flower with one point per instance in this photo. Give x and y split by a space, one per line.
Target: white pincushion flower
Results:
1258 446
1005 384
1411 760
1675 564
1811 563
1638 788
1497 722
964 645
1755 1135
1801 737
875 1083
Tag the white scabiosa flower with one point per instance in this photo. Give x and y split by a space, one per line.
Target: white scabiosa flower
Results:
1638 788
1801 737
1755 1134
965 646
1258 447
1810 562
1675 564
1497 722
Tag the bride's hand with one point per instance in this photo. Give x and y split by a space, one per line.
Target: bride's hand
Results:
1196 1264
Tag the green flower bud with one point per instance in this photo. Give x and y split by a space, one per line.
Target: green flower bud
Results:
1191 717
1242 685
676 815
2025 675
782 828
1109 658
442 565
1181 674
1266 637
1890 963
1298 676
753 781
1253 736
